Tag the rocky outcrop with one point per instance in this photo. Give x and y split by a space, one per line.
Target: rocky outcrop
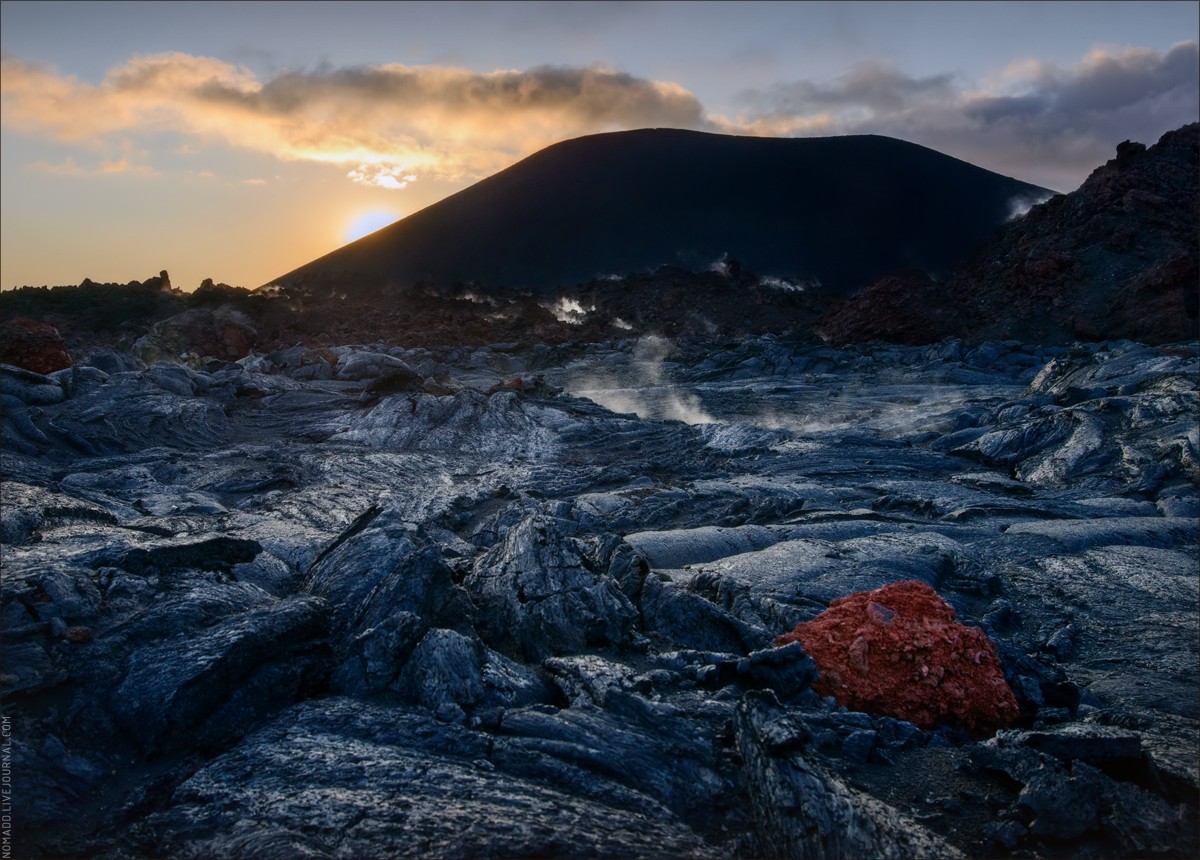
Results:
1066 794
198 334
176 692
899 650
25 387
806 811
538 598
397 782
907 307
33 346
1116 258
1079 403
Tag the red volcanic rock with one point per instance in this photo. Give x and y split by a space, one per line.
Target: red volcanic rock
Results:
899 651
33 345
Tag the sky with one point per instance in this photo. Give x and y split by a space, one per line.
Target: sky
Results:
239 140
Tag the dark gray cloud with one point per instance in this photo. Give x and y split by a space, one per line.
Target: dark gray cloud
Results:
1037 121
587 93
876 85
1104 83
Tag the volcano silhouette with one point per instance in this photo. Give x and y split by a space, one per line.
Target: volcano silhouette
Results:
837 210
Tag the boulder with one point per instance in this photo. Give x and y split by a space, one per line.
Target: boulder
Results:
208 686
1066 793
380 576
28 387
190 336
899 651
111 361
538 598
802 809
688 620
357 364
449 673
33 346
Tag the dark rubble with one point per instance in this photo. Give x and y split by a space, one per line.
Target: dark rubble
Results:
509 602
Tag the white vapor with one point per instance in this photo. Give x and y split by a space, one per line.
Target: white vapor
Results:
647 392
1022 203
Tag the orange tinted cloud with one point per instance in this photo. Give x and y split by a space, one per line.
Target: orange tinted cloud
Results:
70 167
387 124
391 125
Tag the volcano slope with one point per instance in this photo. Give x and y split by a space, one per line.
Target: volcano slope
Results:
508 602
837 210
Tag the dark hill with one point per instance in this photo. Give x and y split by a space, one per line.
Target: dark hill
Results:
838 210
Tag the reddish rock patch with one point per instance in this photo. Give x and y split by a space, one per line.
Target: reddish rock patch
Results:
78 635
899 651
33 345
907 307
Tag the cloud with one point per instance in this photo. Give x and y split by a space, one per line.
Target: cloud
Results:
67 168
382 175
124 165
1039 121
70 167
875 85
388 125
384 123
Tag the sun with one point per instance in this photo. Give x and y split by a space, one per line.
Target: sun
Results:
368 222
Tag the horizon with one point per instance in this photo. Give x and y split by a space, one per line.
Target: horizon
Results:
238 142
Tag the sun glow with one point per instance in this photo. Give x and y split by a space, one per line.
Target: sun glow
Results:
368 222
